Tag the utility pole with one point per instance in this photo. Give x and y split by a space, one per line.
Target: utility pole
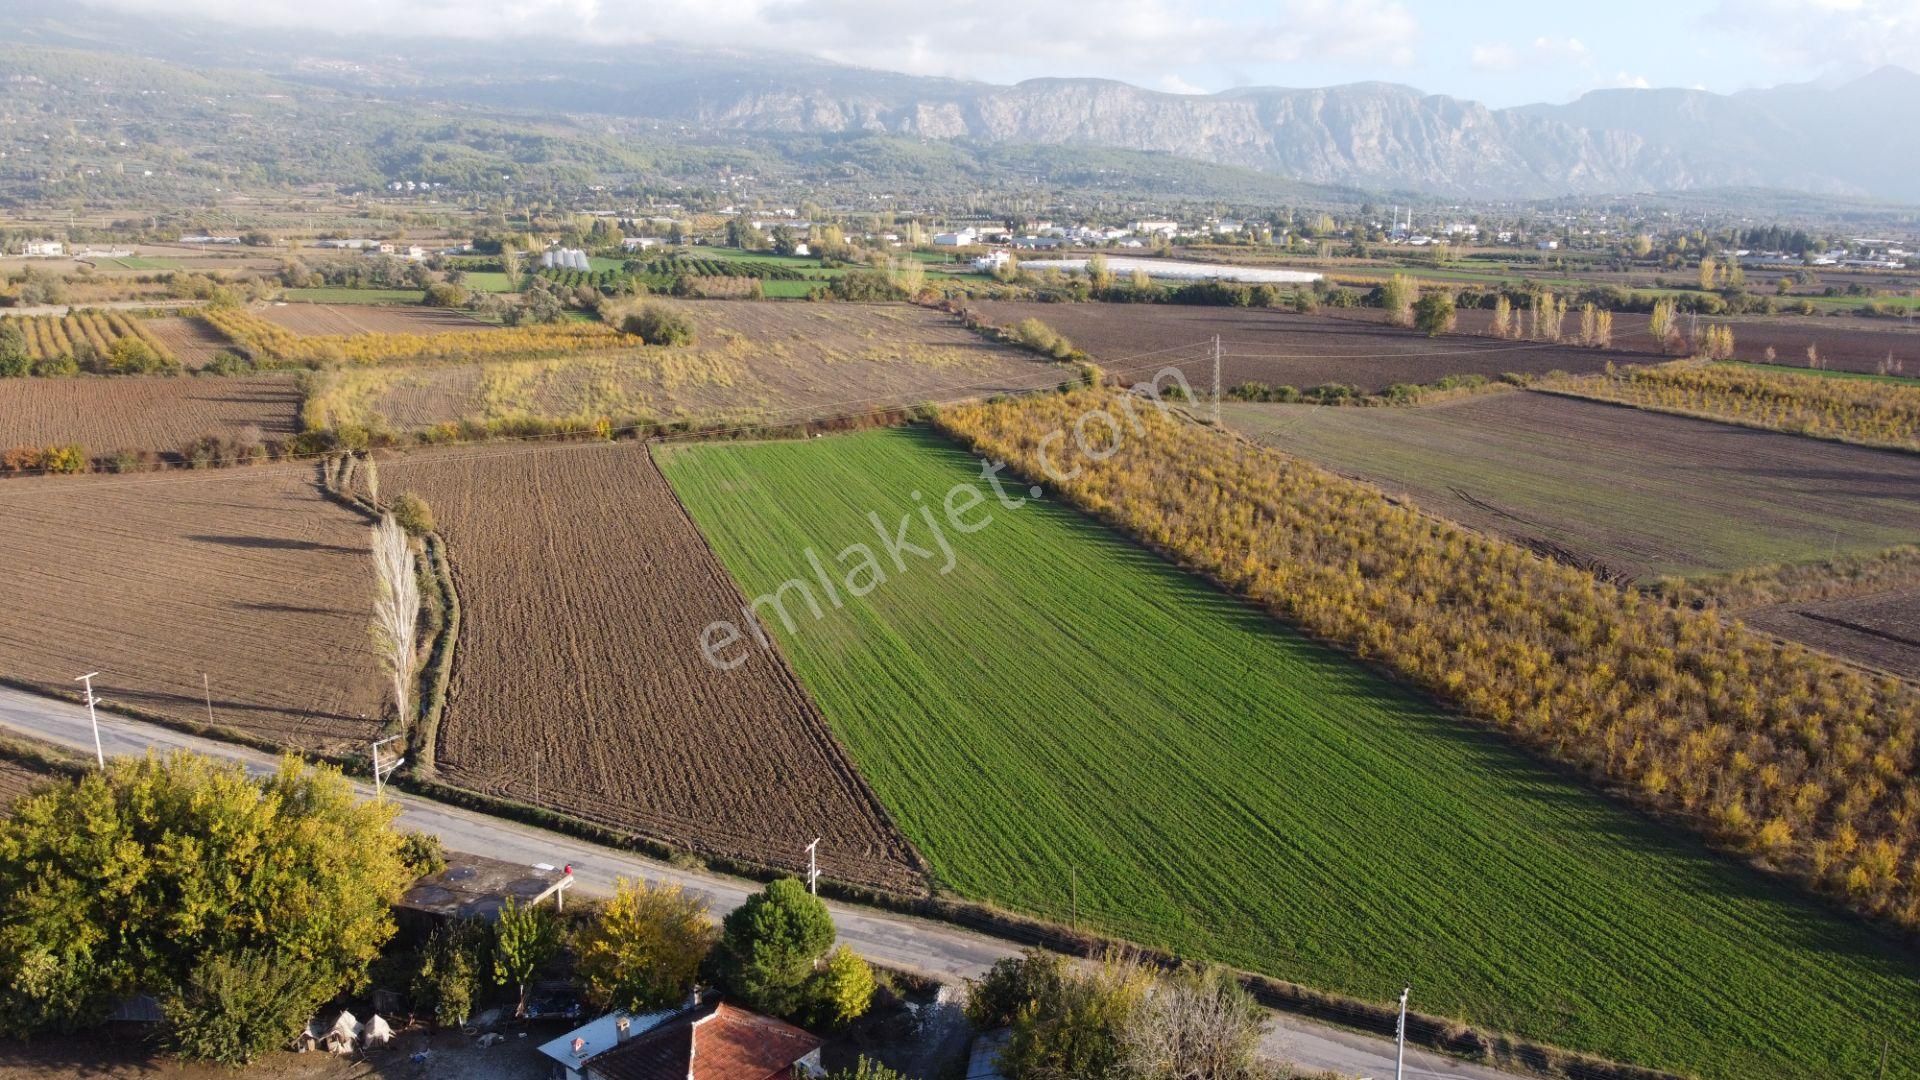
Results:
813 867
1400 1038
206 687
93 718
381 772
1216 380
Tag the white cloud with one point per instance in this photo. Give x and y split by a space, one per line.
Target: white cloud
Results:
999 40
1838 35
1494 56
1174 84
1540 53
1626 80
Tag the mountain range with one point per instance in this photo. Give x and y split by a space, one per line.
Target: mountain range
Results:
1835 139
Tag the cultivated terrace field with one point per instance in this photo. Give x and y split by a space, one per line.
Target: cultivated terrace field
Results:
1625 492
579 684
272 344
1067 724
317 320
1278 348
143 413
54 337
249 576
1865 411
748 363
188 339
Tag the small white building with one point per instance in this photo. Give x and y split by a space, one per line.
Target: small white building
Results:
959 238
639 243
44 249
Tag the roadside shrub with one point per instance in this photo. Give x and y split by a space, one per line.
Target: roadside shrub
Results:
658 324
769 945
413 513
841 991
423 853
234 1008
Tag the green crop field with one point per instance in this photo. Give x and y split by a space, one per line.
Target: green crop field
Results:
336 295
493 281
1068 725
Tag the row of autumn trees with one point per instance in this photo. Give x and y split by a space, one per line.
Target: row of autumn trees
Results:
1848 410
271 344
1784 753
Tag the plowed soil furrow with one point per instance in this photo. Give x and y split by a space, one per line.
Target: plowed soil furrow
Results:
249 576
579 683
143 413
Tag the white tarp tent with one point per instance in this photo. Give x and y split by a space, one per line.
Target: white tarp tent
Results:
344 1036
376 1032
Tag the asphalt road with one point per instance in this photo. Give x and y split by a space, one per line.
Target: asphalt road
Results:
930 948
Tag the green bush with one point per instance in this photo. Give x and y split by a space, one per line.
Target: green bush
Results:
413 514
657 324
841 991
449 981
233 1008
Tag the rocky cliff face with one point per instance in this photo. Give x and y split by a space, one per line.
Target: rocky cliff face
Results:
1383 136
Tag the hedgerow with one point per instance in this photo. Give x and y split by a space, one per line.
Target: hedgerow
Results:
268 342
1846 410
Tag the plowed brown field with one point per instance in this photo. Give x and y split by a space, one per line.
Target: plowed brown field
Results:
190 340
16 780
1881 631
143 413
321 319
1281 348
578 682
750 362
247 575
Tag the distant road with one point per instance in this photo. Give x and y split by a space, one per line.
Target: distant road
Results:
930 948
101 305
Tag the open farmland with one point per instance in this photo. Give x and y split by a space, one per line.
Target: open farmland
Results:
749 362
158 413
1064 713
189 339
1881 630
322 319
247 575
1626 492
1281 348
578 682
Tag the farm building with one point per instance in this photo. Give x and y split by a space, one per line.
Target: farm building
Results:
44 249
476 887
715 1041
961 238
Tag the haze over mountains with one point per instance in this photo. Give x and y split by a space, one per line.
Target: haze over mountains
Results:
1843 139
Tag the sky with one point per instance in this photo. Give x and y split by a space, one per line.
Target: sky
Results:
1501 52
